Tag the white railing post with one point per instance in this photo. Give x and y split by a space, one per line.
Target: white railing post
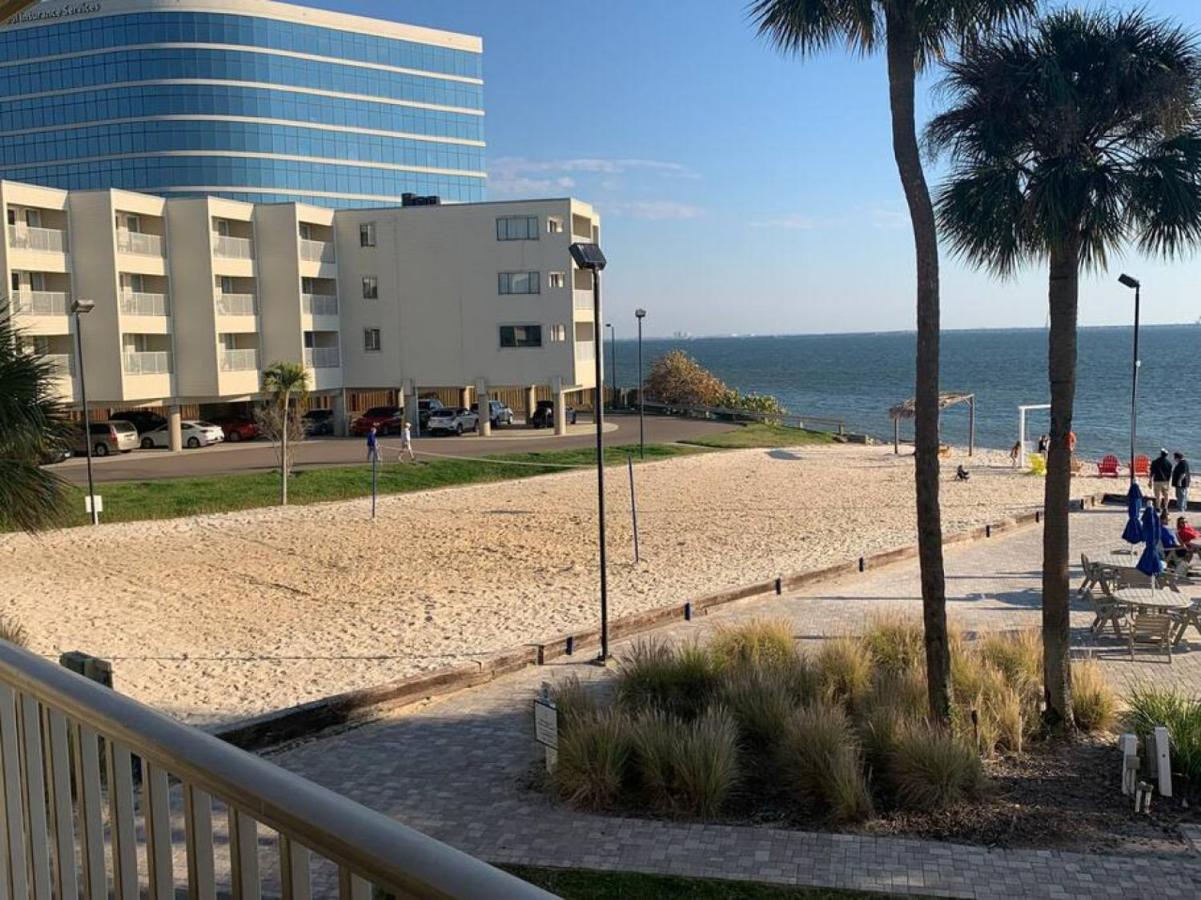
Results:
13 816
62 828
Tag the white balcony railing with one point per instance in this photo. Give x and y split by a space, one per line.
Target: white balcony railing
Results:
140 244
157 362
319 304
63 364
321 357
316 251
585 350
26 237
583 300
70 746
135 303
237 304
239 360
41 303
232 247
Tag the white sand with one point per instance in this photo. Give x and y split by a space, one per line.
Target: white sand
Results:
220 617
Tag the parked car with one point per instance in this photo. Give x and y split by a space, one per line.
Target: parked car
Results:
143 419
499 414
54 454
425 407
238 428
318 421
195 433
116 436
386 419
544 415
456 419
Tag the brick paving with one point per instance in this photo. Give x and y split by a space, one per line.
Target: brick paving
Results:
460 769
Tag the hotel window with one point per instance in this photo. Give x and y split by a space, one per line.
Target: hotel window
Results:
519 283
517 228
370 287
558 334
371 343
556 279
521 335
367 234
554 225
16 281
306 231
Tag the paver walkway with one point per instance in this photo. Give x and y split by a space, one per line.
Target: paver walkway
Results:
458 770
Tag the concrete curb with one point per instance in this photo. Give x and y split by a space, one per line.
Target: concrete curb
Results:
356 707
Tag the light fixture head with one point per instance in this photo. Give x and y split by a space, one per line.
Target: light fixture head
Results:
640 313
1128 281
81 306
588 256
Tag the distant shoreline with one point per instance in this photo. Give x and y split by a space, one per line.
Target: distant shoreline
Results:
819 334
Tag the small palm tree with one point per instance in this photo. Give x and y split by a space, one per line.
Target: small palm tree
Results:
285 381
32 421
1069 141
913 34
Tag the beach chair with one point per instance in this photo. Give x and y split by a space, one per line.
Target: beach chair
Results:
1152 629
1108 611
1187 617
1108 466
1092 574
1142 467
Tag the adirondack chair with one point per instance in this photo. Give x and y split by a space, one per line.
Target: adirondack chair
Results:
1108 466
1142 466
1152 629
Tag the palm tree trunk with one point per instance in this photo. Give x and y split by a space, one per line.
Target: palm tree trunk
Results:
1061 368
901 83
283 455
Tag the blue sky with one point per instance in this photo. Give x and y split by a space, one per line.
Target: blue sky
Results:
741 191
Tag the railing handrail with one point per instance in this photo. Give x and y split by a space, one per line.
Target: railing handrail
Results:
139 242
322 357
347 833
134 302
319 304
63 363
316 251
228 303
23 237
27 302
234 360
231 247
162 359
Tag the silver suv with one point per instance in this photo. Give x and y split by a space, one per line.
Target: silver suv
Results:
116 436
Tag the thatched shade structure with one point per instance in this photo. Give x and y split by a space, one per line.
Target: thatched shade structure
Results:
908 410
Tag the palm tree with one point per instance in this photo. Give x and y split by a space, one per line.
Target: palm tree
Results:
31 422
913 34
1068 142
283 381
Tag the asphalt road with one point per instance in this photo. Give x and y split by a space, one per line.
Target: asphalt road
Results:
147 465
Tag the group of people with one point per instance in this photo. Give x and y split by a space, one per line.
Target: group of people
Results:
1044 445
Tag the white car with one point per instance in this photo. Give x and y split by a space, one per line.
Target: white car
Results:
452 420
194 434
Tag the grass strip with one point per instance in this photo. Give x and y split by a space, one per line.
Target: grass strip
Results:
762 435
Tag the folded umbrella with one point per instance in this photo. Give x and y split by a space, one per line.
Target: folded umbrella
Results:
1134 506
1151 562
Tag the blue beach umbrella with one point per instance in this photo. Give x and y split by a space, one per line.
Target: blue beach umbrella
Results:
1134 505
1151 562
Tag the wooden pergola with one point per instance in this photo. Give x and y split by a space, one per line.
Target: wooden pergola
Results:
908 410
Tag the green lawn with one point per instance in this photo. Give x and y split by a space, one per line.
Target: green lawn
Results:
761 435
584 884
171 497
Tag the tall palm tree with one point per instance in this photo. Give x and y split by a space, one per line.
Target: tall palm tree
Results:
913 34
1068 142
285 381
32 421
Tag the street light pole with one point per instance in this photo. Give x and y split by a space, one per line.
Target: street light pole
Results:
1129 282
79 308
613 358
640 314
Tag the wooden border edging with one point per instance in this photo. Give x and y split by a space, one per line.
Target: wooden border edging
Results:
354 707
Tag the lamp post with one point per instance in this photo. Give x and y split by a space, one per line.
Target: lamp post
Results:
1127 281
82 308
640 314
589 257
613 358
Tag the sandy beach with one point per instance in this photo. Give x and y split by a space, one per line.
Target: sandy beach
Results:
220 617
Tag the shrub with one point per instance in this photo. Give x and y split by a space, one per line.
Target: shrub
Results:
1181 715
880 729
821 762
677 680
762 642
844 671
896 642
13 631
677 379
904 691
933 768
687 767
574 702
1003 711
1018 656
594 757
655 736
761 702
1094 703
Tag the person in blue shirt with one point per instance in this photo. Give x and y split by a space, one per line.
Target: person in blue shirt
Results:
372 449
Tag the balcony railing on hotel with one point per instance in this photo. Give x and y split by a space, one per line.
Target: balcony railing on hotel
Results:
237 304
319 304
232 247
40 303
26 237
157 362
134 303
139 243
316 251
63 364
321 357
239 360
585 350
583 300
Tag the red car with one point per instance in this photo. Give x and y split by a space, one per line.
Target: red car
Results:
386 419
238 429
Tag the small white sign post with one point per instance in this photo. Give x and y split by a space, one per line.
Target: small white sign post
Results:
94 500
1129 747
546 726
1162 761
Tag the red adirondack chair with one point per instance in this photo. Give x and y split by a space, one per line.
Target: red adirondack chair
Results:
1108 466
1142 466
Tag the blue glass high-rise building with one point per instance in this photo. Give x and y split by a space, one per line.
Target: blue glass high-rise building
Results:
248 99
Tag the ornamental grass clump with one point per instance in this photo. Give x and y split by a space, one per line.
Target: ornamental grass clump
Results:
844 672
594 758
1018 655
686 768
574 701
1094 702
13 631
761 701
756 644
933 768
677 680
822 765
896 642
1180 714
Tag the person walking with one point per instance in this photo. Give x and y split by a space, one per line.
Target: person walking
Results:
372 445
1180 481
406 443
1044 444
1161 481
